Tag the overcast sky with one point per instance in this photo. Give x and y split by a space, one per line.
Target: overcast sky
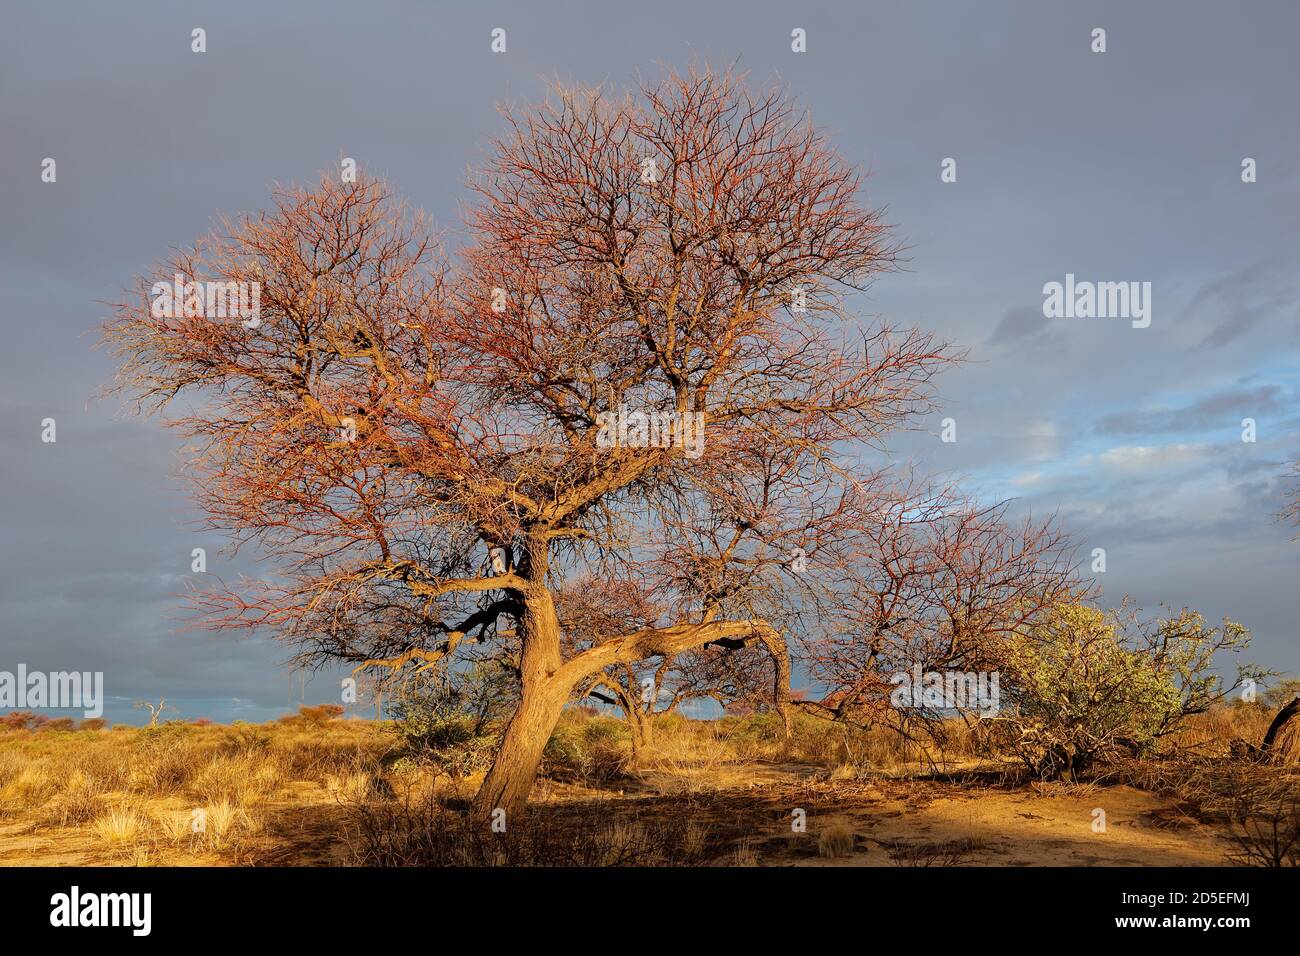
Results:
1116 166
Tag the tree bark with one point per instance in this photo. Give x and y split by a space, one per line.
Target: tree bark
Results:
1283 717
543 695
640 729
508 783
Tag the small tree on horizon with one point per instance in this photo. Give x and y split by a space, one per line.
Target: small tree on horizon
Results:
155 710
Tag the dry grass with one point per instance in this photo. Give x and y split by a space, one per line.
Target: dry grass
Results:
835 841
182 793
121 826
942 854
153 794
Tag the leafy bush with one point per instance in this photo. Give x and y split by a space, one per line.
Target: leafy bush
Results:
590 749
1089 684
318 716
445 721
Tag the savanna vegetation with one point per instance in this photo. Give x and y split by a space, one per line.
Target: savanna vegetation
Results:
319 788
616 452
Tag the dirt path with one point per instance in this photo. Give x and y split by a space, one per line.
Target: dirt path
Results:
933 822
1023 828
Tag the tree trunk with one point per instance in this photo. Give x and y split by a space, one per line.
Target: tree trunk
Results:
547 682
543 696
511 778
1283 717
640 729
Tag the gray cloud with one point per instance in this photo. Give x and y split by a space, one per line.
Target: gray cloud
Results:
1023 325
1223 409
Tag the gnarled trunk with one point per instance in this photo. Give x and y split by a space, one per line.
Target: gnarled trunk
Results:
1280 720
641 729
543 695
511 778
547 682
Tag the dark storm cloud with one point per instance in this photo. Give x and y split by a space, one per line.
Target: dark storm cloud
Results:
1235 304
1021 325
1115 167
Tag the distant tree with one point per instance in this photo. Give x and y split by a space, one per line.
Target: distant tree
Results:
941 583
22 720
315 716
155 710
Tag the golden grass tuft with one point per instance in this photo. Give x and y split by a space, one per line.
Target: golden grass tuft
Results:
835 841
121 825
78 802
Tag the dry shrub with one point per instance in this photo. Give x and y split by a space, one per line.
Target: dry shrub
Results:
350 787
121 825
837 744
176 826
1257 802
241 738
592 750
1262 805
945 853
1266 832
836 841
243 779
105 762
140 855
31 786
21 720
1211 734
224 822
78 802
696 761
165 759
12 763
745 855
313 756
314 717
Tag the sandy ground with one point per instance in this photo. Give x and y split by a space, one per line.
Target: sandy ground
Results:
1025 828
914 822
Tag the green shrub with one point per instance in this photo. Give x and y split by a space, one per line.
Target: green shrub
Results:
590 749
445 722
1086 685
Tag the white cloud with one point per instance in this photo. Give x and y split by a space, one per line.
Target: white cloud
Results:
1151 457
1028 479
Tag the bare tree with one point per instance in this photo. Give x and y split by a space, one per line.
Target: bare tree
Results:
643 367
155 710
1291 510
938 581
